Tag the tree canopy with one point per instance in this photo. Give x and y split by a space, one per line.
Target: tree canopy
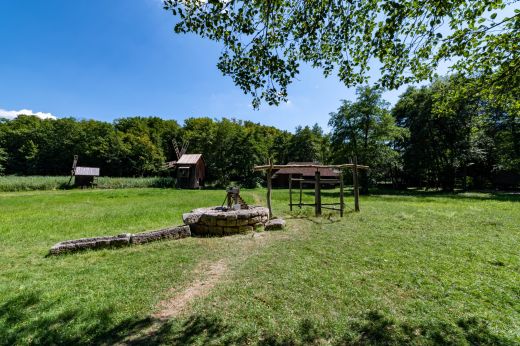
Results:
140 146
365 129
266 41
442 135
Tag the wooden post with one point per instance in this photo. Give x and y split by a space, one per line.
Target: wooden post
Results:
301 187
341 204
317 194
229 203
356 185
290 192
269 186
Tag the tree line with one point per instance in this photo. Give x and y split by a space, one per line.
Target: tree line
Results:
444 135
140 146
450 134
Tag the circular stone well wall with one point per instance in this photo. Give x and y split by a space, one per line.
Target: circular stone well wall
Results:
224 221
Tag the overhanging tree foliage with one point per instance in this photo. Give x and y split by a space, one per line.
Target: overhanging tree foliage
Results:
265 41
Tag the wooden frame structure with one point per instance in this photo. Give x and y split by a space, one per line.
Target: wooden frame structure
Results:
318 205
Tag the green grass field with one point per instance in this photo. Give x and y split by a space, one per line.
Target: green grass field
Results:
408 269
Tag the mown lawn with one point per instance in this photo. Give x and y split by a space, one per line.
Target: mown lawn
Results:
408 269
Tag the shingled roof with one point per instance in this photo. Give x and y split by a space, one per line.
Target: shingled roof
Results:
306 171
189 159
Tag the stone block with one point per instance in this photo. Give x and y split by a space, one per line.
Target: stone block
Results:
245 229
255 220
242 222
166 233
222 222
275 224
208 219
191 218
89 243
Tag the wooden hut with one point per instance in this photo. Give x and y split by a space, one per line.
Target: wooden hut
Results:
190 171
281 176
86 176
83 176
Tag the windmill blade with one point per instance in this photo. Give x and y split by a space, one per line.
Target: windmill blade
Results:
74 163
184 146
73 171
176 148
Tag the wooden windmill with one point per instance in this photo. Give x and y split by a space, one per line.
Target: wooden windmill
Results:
83 176
190 167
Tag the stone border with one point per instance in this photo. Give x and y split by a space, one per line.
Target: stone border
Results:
119 240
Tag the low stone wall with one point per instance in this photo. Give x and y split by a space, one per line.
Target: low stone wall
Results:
167 233
223 221
119 240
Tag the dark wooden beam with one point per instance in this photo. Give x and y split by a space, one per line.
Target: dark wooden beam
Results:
269 188
317 194
290 192
356 185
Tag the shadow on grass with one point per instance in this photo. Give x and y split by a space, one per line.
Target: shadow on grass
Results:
329 217
26 319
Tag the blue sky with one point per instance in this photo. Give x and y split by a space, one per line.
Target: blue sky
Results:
106 59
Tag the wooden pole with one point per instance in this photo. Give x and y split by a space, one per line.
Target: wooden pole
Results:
356 185
317 194
269 186
301 187
290 192
341 204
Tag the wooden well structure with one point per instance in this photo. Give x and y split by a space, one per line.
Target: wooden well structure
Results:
317 182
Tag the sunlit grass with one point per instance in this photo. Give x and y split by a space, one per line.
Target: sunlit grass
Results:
418 268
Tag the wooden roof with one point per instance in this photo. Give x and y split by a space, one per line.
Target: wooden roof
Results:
87 171
306 169
315 166
189 159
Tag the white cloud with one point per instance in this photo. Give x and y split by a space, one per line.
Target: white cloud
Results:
13 114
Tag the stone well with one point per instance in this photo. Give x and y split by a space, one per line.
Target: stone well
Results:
224 221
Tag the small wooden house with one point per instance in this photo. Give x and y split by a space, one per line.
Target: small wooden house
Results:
190 171
281 177
83 176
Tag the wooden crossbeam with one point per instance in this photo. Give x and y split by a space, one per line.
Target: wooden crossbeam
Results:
317 184
346 165
322 181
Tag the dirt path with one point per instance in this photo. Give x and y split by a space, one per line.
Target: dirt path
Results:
199 288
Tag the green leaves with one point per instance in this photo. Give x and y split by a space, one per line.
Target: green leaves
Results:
265 41
365 129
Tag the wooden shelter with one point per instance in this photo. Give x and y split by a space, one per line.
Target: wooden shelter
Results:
317 182
301 170
83 176
190 171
